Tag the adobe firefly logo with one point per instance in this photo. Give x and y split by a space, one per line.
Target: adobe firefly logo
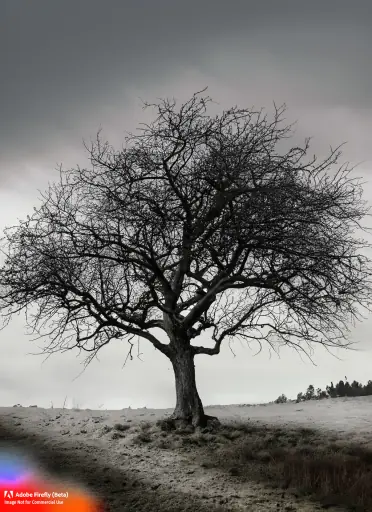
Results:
8 494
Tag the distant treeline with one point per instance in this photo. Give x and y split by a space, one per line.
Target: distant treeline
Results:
342 388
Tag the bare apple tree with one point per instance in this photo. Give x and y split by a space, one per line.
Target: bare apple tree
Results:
197 223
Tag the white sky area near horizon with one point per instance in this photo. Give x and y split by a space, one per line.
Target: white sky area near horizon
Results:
70 68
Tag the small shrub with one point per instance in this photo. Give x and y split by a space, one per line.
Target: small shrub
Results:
163 444
282 399
143 437
231 435
166 425
121 427
117 435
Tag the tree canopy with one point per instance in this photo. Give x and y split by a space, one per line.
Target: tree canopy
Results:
197 223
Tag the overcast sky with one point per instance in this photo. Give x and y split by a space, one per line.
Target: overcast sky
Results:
71 67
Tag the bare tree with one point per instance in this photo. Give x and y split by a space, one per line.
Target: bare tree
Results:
198 222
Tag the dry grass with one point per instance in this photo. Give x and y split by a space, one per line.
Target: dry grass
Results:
328 470
142 437
302 459
121 427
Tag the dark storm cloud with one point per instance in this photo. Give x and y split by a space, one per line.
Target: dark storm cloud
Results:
59 60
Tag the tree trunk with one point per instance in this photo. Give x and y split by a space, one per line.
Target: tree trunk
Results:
189 407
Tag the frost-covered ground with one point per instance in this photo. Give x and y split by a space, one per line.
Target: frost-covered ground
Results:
348 417
130 462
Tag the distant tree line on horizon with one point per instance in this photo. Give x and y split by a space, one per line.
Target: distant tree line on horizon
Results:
341 389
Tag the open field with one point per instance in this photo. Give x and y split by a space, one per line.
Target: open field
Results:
292 457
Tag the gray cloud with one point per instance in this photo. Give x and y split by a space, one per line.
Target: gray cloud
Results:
61 61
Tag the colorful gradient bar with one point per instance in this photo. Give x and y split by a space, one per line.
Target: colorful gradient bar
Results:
23 489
